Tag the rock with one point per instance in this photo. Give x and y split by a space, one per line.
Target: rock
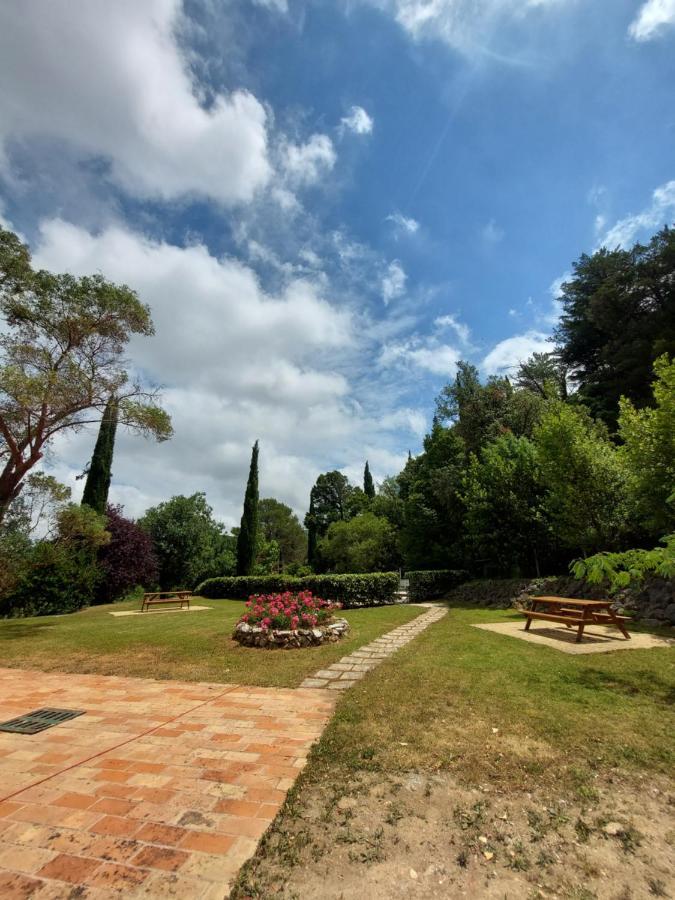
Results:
669 613
614 828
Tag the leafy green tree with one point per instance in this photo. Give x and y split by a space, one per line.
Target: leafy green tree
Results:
61 358
99 473
366 543
544 374
631 566
368 483
431 490
618 317
329 502
481 412
278 523
247 538
506 521
189 543
585 479
35 509
649 451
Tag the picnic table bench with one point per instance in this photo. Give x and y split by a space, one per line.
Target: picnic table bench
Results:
570 611
154 598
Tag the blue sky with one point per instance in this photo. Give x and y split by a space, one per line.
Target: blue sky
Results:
327 204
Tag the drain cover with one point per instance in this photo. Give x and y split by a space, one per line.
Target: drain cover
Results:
39 719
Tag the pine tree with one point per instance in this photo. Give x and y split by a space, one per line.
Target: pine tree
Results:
99 473
368 484
248 531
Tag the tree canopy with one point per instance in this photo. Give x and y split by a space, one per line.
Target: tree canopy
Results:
61 359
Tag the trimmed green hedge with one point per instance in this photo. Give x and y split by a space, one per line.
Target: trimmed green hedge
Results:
426 584
352 591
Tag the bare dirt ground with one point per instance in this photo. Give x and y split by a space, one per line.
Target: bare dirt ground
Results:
424 836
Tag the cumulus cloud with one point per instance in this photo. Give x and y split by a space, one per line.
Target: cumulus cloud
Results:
492 233
357 120
237 364
653 17
393 282
305 164
109 80
509 353
659 212
403 224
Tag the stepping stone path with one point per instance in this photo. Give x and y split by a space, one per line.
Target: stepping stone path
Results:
350 669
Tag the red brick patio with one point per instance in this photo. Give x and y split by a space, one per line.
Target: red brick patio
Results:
162 789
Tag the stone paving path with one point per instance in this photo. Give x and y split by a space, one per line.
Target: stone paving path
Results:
350 669
162 789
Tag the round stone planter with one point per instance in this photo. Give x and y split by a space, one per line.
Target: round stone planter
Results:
255 636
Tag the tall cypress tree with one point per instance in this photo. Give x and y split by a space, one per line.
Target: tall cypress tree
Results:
310 525
368 483
248 531
99 473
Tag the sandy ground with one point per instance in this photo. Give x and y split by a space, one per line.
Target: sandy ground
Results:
424 836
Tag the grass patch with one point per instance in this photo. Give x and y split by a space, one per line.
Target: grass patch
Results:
188 647
491 708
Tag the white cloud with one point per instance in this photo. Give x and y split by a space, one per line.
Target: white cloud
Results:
429 355
393 282
492 233
659 212
461 329
653 16
238 364
403 224
509 353
462 24
357 121
280 6
307 163
110 81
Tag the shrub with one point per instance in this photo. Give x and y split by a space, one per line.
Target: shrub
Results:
288 610
430 583
128 560
350 591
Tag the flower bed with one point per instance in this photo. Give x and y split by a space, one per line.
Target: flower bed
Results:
289 620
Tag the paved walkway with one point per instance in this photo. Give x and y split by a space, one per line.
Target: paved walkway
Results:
162 790
350 669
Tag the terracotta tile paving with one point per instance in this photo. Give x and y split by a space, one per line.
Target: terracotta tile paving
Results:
162 789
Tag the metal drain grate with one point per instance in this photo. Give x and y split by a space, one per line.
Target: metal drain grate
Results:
39 719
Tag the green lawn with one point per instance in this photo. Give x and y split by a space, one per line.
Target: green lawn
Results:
194 647
437 703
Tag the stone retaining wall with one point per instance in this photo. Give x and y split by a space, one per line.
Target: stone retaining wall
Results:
651 603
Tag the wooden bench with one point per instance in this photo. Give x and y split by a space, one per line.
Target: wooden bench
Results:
155 598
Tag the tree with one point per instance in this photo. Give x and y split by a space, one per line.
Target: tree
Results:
618 317
544 374
368 483
277 522
505 518
328 502
585 480
99 473
648 449
188 542
248 530
431 490
61 358
35 508
128 560
366 543
481 412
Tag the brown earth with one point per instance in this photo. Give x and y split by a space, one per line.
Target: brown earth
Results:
415 835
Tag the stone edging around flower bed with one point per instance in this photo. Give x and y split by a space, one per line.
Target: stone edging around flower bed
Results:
255 636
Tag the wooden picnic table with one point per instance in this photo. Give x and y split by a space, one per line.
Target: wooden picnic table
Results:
154 598
571 611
